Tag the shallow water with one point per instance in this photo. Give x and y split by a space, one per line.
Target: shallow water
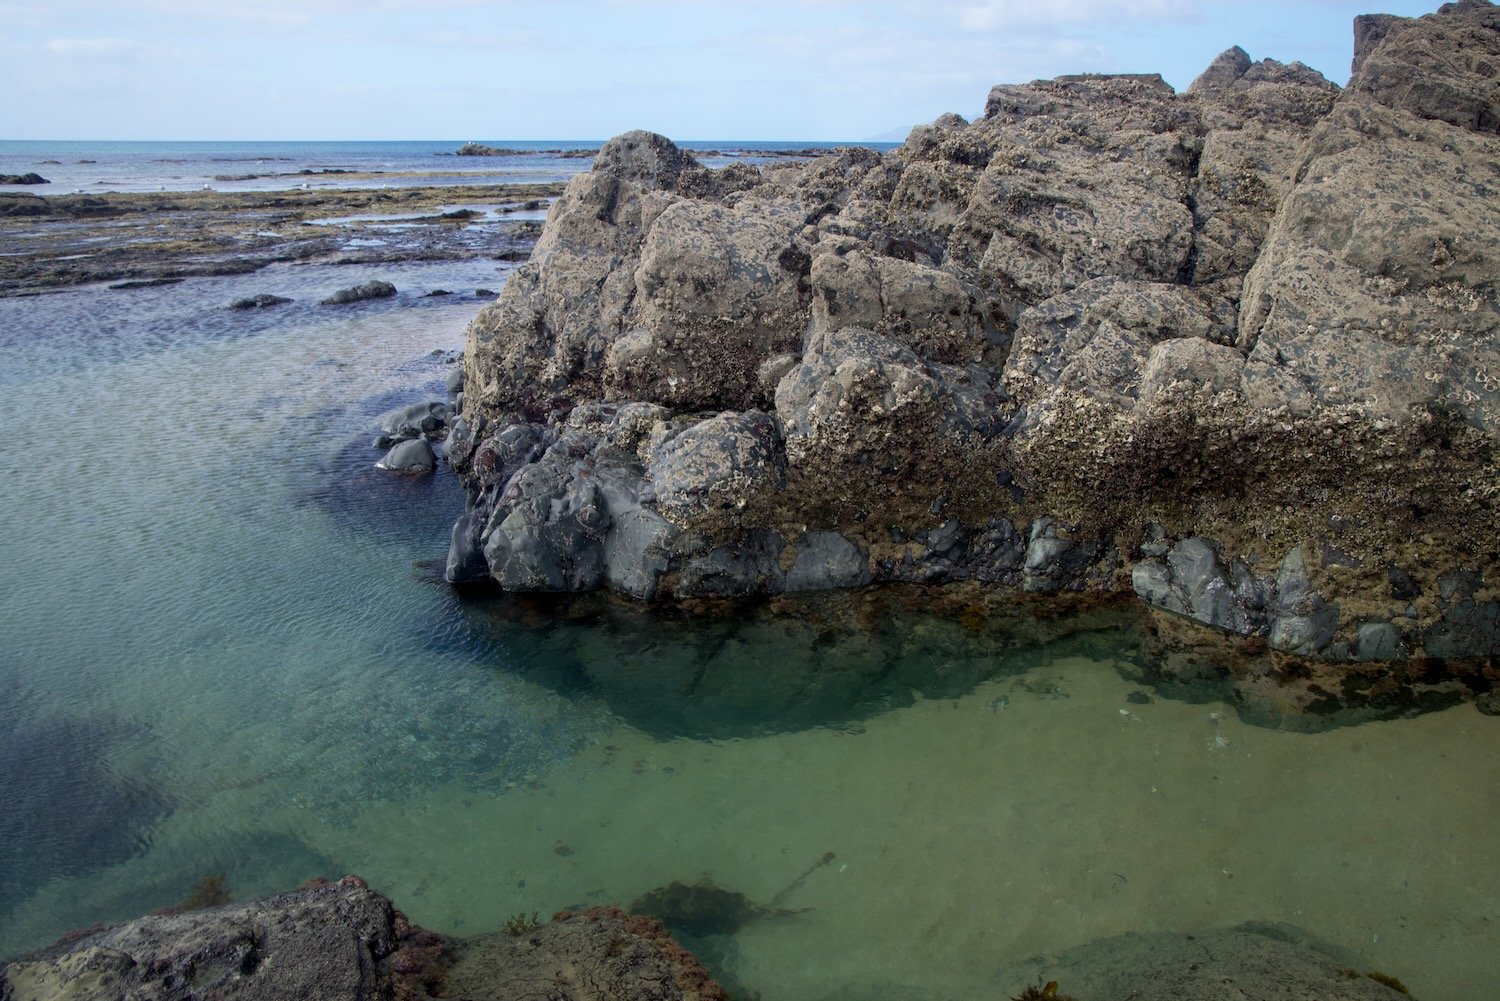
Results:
224 653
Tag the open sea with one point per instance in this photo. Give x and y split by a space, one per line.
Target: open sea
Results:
227 648
92 167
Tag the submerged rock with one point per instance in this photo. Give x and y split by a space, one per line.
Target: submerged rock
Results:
261 301
1259 960
360 293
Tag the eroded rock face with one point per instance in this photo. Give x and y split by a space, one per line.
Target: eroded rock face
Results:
1234 349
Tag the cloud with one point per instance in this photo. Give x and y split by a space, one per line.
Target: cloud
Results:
992 14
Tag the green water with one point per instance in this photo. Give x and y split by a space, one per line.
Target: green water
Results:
223 655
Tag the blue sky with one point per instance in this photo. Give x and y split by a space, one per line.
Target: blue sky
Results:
464 69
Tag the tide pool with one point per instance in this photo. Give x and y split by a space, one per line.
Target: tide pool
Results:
227 649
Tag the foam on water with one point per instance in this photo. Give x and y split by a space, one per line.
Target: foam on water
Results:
222 656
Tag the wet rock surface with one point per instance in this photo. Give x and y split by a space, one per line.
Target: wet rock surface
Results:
1230 350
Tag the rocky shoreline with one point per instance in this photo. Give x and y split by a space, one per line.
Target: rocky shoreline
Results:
1228 350
343 940
62 241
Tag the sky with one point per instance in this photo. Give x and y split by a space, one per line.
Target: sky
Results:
590 69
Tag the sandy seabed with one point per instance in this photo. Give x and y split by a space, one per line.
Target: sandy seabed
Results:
1030 816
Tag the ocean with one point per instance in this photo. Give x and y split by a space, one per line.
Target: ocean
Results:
90 167
228 649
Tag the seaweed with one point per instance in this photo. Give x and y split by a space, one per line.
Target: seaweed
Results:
210 891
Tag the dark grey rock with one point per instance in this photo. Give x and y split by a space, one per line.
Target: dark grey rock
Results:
746 567
1054 561
637 551
1466 628
330 941
824 561
360 293
412 456
27 178
1305 623
1378 641
466 563
262 301
547 532
426 418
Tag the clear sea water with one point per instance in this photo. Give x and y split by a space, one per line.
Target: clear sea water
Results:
93 167
227 650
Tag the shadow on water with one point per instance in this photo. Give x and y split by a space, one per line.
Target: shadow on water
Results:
363 500
63 810
723 670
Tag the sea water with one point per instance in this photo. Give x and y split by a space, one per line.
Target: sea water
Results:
97 167
227 650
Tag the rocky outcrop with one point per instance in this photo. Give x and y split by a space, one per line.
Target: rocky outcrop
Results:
343 940
328 940
1233 349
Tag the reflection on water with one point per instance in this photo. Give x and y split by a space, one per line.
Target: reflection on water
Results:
741 669
226 654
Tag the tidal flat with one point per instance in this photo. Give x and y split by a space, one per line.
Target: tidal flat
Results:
49 242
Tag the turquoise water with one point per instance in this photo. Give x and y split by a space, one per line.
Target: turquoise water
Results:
226 650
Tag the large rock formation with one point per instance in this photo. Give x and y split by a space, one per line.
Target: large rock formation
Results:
1233 348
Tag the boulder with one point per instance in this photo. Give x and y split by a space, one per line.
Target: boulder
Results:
429 417
27 178
328 940
261 301
361 293
414 456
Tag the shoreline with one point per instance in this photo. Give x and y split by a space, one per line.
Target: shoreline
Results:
51 243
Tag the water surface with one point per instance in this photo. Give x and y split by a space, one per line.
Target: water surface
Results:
226 651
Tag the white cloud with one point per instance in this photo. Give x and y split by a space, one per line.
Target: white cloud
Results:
992 14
